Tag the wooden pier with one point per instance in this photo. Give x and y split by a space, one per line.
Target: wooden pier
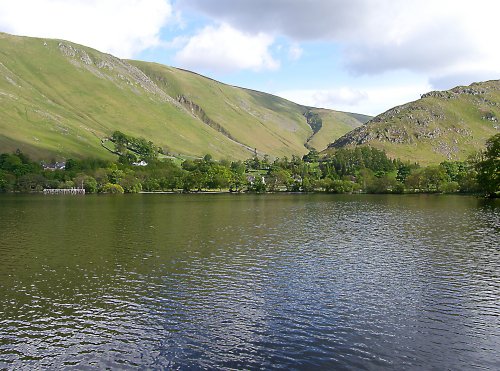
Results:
69 191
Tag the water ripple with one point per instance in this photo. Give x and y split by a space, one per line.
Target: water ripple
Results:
251 282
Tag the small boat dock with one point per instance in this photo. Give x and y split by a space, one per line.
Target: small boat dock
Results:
69 191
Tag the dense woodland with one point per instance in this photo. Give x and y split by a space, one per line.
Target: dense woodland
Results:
361 169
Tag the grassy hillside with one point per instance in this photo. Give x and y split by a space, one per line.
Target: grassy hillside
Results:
59 99
442 125
257 120
335 124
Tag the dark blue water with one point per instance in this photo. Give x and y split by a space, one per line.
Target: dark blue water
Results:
249 282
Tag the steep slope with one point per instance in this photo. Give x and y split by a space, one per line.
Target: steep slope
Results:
259 120
442 125
59 99
335 124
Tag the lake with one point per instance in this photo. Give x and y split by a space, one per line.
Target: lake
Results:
249 282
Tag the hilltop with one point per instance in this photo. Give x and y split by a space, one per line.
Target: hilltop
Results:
60 100
442 125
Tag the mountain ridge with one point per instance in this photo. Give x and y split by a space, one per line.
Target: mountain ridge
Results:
60 99
441 125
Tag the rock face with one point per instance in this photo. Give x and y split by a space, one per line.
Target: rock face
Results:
198 112
442 125
117 70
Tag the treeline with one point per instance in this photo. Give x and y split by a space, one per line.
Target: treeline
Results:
362 169
131 149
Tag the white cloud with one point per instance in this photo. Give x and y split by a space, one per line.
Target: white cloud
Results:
363 100
344 96
224 48
119 27
447 40
438 38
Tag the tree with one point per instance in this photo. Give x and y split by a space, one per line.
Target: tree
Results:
365 178
257 184
31 182
130 184
403 172
340 186
115 174
236 182
144 149
86 182
192 180
415 181
337 185
429 179
71 165
10 162
238 167
312 156
217 176
454 169
384 184
450 187
488 169
468 183
101 176
189 165
128 158
434 178
7 181
308 184
253 163
112 188
279 178
151 185
266 163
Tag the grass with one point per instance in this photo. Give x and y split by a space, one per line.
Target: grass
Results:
457 123
61 108
57 106
257 120
335 124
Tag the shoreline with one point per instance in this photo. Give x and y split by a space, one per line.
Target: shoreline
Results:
255 193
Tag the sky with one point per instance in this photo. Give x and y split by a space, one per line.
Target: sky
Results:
363 56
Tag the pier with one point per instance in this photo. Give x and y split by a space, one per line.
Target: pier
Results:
69 191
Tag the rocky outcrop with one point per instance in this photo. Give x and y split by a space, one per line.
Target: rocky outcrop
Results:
197 111
112 68
476 90
489 116
444 120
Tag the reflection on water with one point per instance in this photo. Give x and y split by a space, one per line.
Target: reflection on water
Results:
272 281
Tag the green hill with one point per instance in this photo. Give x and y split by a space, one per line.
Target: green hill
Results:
442 125
60 99
335 124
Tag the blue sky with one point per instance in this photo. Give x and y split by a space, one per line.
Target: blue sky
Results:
361 56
